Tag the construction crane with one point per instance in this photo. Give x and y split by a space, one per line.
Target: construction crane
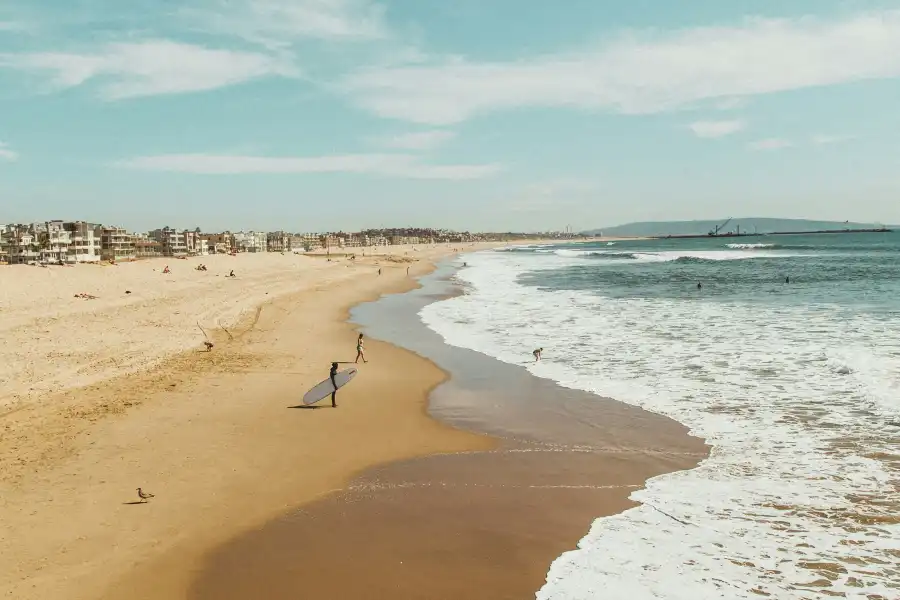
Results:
720 227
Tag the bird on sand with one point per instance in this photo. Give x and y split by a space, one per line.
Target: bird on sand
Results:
144 496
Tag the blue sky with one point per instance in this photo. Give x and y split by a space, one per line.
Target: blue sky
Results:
487 114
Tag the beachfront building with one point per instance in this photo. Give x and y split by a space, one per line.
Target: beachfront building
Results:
278 241
146 247
84 241
55 243
218 243
171 241
116 244
306 241
194 243
250 241
21 245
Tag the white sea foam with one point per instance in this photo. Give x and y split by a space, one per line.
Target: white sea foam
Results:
749 246
798 498
665 255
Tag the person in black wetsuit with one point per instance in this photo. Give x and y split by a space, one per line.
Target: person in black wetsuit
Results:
334 367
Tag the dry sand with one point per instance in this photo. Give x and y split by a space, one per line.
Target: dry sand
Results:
102 396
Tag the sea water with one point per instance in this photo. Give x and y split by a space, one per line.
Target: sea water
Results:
795 385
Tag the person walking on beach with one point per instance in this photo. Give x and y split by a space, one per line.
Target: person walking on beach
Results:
360 351
379 270
333 372
537 354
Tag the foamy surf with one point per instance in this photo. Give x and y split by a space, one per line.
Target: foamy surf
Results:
799 497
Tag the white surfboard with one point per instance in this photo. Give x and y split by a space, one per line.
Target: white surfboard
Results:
324 389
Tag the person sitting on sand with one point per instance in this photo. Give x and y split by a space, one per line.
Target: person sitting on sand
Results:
231 274
360 351
166 271
334 367
537 354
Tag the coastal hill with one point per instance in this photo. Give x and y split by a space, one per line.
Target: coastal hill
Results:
748 225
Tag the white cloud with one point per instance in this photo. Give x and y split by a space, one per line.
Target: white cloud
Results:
277 23
643 73
770 144
151 68
716 129
7 154
419 140
388 165
822 139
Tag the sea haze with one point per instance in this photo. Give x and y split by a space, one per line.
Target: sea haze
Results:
786 359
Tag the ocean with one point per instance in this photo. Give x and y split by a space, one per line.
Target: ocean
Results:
796 386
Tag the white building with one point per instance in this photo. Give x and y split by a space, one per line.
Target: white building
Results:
250 241
84 243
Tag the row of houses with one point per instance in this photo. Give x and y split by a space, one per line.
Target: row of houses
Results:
71 242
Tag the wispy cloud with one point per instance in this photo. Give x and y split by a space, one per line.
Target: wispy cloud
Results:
280 23
770 144
7 154
823 139
387 165
643 72
716 129
150 68
419 140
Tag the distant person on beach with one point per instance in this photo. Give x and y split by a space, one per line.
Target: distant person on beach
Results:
333 372
166 270
231 274
787 279
537 354
360 351
699 286
407 271
379 270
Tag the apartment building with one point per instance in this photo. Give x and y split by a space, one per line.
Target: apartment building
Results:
250 241
116 244
84 240
278 241
307 241
21 245
146 247
218 243
171 241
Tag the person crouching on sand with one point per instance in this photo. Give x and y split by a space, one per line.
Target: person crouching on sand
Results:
537 354
360 351
333 372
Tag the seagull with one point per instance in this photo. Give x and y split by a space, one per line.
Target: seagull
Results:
144 496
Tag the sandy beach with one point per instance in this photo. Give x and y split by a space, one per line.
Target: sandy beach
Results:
101 396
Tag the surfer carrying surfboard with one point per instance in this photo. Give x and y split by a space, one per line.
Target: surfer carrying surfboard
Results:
334 367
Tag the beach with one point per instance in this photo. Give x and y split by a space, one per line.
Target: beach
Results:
118 392
209 433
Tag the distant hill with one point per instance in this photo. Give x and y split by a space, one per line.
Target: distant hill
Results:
750 225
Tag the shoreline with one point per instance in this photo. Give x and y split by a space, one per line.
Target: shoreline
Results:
210 435
399 527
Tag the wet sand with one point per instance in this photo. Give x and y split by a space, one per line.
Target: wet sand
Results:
481 524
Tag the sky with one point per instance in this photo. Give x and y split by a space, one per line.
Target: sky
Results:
310 115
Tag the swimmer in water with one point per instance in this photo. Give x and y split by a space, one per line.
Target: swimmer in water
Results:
537 354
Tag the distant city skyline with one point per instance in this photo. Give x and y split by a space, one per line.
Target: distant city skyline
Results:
326 115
